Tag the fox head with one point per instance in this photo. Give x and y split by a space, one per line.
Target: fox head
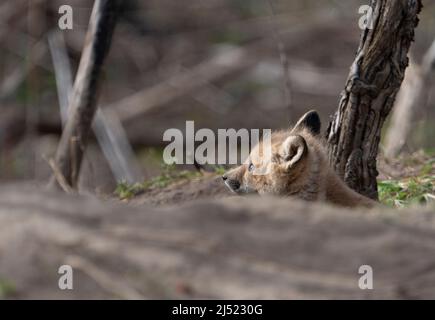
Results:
284 170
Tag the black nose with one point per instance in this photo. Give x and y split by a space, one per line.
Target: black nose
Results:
235 185
224 177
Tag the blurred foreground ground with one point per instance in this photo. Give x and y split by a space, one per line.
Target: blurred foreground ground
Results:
230 248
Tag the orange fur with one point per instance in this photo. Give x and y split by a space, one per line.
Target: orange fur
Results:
298 167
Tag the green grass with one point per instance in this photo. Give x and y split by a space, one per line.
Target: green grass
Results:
125 190
168 176
428 167
430 152
219 170
6 288
228 36
406 192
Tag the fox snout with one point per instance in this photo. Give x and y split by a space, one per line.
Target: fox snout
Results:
233 184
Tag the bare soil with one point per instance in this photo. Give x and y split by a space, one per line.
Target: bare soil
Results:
209 186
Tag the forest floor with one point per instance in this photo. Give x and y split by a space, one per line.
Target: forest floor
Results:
207 186
409 179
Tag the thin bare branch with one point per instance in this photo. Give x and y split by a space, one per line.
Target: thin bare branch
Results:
83 100
108 129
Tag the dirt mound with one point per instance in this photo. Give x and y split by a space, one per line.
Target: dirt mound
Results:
228 248
186 190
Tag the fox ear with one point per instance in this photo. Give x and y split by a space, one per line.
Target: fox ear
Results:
293 149
311 121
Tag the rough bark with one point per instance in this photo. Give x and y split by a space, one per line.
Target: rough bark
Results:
373 82
245 248
83 105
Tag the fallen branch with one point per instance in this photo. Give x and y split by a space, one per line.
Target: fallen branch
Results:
182 84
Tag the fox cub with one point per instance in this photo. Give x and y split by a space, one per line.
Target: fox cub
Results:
298 166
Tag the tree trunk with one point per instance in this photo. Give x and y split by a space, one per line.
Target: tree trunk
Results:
373 82
83 104
410 100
